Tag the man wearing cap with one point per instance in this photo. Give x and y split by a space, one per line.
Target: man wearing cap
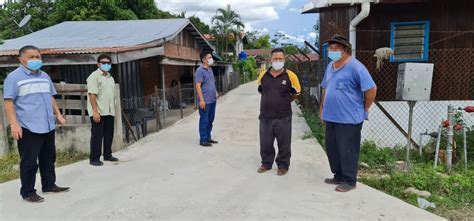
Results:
31 110
278 87
348 93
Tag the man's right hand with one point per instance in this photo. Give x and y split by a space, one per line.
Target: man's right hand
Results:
202 105
16 131
321 118
96 117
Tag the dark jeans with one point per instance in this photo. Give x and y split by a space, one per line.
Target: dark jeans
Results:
205 122
102 132
279 129
34 147
342 147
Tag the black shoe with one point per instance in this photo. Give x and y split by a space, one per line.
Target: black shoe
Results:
57 189
213 141
96 163
345 187
333 181
34 198
205 144
113 159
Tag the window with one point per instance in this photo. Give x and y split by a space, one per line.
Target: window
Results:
409 41
324 53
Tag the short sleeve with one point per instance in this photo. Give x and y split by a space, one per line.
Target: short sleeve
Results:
10 88
295 83
365 80
199 76
52 88
324 83
92 85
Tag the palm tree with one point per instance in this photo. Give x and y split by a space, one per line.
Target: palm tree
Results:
225 22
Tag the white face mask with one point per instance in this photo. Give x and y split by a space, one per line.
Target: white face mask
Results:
278 65
210 61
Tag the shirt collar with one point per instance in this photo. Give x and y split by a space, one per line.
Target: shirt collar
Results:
205 67
28 71
270 74
102 73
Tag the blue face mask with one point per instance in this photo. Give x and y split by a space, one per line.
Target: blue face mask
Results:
105 67
335 55
34 65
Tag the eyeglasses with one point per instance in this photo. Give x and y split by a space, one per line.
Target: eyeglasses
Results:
105 62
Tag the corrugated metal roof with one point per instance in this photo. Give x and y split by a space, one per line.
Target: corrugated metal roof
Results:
57 51
80 37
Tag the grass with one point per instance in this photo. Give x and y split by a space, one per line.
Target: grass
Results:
9 163
452 192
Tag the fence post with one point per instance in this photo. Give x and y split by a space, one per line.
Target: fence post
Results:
450 134
180 99
63 99
4 145
83 105
157 108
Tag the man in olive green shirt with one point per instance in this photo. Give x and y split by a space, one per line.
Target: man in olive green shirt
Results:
101 109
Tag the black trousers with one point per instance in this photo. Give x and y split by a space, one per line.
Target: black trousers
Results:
279 129
342 148
34 148
102 132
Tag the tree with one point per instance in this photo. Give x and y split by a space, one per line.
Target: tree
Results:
15 11
258 41
278 39
317 30
65 10
226 22
201 26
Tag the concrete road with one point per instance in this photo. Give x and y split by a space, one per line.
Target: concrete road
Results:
168 176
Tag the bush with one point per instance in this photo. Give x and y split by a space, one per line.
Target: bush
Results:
247 69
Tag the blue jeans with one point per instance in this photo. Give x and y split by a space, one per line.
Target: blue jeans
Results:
205 121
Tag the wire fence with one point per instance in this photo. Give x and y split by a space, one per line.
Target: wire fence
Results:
453 84
143 115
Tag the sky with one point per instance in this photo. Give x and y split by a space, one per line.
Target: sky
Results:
266 16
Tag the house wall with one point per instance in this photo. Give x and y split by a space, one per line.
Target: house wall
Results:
444 15
450 49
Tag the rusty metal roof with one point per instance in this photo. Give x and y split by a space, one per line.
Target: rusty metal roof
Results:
84 37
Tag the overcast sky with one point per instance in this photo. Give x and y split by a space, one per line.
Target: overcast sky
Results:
267 16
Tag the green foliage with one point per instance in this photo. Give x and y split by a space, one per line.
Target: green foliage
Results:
48 13
258 41
247 69
314 123
14 12
9 162
452 193
201 26
65 10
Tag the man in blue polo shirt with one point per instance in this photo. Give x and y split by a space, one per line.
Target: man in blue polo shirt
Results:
30 108
207 97
348 93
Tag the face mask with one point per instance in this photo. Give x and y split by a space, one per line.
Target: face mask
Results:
105 67
210 61
278 65
34 65
335 55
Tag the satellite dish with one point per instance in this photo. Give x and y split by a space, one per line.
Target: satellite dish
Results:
24 21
